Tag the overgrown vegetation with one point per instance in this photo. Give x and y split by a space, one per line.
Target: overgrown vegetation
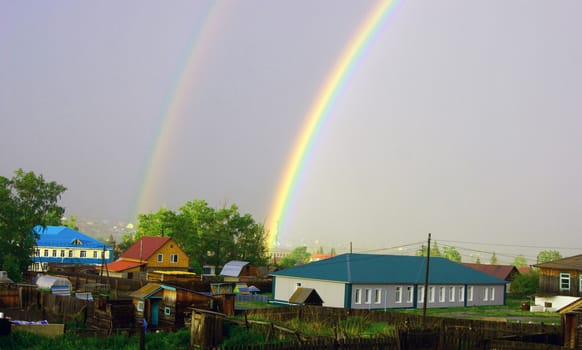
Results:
179 340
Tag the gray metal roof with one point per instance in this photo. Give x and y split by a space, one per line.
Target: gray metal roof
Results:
233 268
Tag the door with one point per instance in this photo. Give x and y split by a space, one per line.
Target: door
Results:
155 312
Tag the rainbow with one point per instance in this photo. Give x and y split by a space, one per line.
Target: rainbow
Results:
148 198
318 112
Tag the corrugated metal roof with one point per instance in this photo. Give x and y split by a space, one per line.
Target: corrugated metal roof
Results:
62 236
374 268
233 268
146 291
303 295
569 263
122 265
144 247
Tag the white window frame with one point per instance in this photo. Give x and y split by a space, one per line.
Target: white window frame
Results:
95 254
358 296
160 258
140 305
564 280
173 258
462 293
368 296
83 254
470 292
398 295
492 293
421 294
46 252
580 283
452 292
167 311
54 252
431 294
409 294
486 294
70 253
442 294
377 296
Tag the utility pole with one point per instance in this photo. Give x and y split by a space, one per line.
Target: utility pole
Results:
426 283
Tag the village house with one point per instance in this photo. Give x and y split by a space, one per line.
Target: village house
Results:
63 245
561 277
149 254
370 281
239 271
502 272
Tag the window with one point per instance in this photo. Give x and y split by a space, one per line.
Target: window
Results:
564 281
421 294
368 296
54 252
492 293
140 306
470 293
62 253
377 296
442 296
160 258
486 295
431 294
462 294
37 253
174 258
451 293
358 296
167 311
46 252
83 254
70 253
580 283
398 295
409 294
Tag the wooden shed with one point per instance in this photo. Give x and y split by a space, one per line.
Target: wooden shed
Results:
164 305
306 296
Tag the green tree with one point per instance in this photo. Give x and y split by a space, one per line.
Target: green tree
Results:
70 222
526 283
548 255
478 260
520 261
434 250
26 200
493 260
452 254
298 256
332 252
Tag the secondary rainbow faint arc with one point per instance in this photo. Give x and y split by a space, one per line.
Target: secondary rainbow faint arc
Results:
319 111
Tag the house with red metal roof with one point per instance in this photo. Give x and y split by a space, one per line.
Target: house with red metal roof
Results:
502 272
148 254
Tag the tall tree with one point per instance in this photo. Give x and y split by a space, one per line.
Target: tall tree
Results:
70 222
548 255
26 200
520 261
452 254
493 260
298 256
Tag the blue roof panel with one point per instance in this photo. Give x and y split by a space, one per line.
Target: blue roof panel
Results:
62 236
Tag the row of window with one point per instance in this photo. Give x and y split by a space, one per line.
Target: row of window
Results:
380 295
173 258
69 254
565 281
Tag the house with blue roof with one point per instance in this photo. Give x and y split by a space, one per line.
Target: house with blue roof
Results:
372 281
63 245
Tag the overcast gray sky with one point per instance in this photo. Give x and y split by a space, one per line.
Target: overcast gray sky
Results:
462 118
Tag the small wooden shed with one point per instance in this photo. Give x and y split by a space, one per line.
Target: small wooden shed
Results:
305 296
165 305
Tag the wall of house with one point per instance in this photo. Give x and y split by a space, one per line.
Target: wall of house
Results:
484 295
381 296
166 251
68 255
332 293
552 282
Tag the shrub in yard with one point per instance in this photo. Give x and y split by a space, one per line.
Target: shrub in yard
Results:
525 284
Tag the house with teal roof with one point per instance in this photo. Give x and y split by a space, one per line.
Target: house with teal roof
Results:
63 245
372 281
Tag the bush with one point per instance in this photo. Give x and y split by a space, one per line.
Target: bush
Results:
525 284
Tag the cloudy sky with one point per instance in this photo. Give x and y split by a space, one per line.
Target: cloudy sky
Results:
461 118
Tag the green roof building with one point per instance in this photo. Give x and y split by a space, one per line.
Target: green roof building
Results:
372 281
